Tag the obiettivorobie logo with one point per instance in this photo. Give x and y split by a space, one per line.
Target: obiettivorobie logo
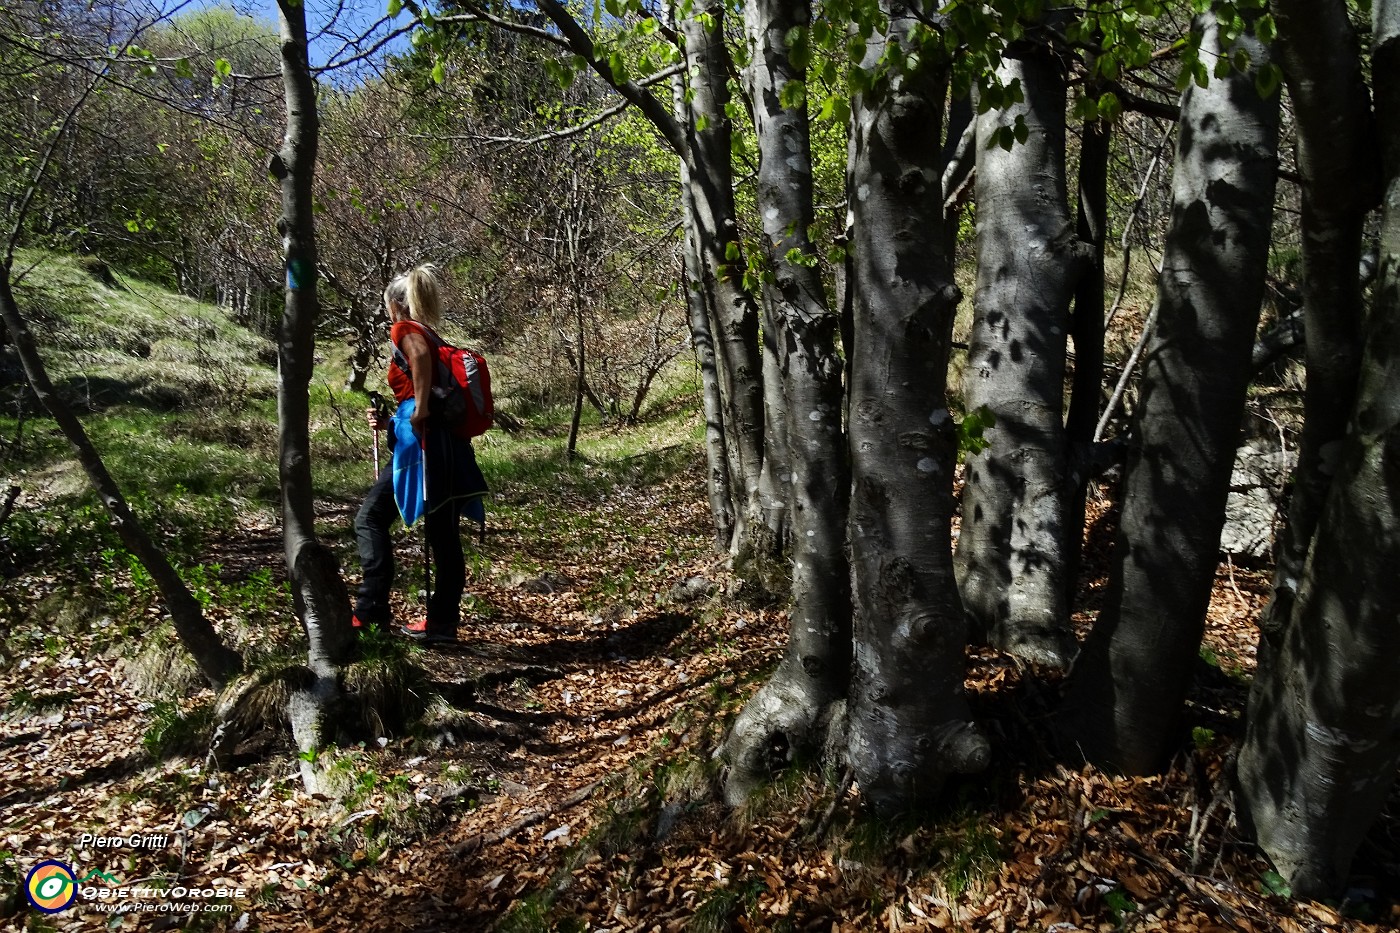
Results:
51 886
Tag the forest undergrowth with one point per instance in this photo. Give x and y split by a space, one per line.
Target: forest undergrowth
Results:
561 775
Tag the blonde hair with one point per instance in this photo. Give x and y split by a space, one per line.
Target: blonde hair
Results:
420 291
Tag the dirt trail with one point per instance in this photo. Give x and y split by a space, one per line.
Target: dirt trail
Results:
560 782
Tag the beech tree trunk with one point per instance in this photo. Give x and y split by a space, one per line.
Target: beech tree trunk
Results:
216 661
908 719
765 556
717 485
699 299
1011 549
318 590
1321 59
781 721
1125 696
709 192
1322 745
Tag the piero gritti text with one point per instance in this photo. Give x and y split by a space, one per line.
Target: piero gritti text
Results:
133 841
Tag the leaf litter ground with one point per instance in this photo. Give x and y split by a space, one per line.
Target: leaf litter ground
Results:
562 776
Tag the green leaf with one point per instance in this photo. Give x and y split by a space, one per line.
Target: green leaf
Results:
1021 131
1265 29
793 94
222 70
973 427
1268 79
731 251
835 109
395 6
618 67
439 72
133 226
1086 108
1274 883
183 69
1119 904
563 73
1110 107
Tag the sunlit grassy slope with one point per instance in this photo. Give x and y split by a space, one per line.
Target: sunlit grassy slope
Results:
180 401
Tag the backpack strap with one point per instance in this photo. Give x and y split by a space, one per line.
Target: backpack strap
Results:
436 343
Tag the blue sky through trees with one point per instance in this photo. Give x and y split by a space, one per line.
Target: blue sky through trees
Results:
340 30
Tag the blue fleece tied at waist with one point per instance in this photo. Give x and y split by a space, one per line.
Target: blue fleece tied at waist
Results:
409 491
451 474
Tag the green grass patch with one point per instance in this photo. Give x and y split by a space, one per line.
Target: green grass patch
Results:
177 731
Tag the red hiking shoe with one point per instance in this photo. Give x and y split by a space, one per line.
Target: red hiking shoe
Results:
418 631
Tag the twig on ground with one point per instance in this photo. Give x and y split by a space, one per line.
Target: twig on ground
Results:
482 840
1230 568
1185 881
825 823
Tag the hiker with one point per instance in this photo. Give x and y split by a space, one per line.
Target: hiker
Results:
453 484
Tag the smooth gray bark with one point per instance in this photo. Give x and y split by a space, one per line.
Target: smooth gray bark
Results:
1321 59
1011 549
717 485
699 303
1126 694
1322 745
909 722
780 722
318 591
708 182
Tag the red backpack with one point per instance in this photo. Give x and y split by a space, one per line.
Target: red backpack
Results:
461 387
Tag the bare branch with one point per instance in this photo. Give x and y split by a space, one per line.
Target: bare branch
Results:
524 29
582 45
577 129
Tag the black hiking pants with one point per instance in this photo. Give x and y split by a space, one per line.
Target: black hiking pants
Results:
372 526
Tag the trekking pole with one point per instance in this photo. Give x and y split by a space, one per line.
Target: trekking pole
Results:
377 401
427 564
